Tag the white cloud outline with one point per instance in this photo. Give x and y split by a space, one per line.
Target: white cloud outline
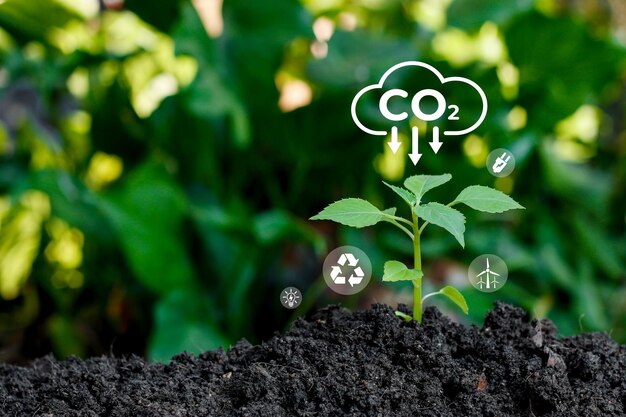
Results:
443 80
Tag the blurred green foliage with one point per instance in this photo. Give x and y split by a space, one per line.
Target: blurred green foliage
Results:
158 161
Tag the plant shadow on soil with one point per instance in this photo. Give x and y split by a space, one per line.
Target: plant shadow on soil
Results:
342 363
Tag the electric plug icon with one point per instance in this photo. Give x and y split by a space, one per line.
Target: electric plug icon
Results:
501 162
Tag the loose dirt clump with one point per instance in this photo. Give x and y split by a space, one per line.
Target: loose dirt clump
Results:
342 363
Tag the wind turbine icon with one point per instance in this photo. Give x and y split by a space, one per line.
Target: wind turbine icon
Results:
488 283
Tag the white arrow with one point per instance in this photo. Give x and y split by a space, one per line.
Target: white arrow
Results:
334 275
354 280
394 144
352 261
342 259
414 155
435 144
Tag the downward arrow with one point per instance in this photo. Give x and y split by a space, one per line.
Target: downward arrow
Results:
435 144
414 155
394 144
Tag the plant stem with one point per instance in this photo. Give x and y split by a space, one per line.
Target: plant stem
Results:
401 219
417 259
404 229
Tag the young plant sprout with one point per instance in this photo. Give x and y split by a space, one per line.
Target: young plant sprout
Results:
359 213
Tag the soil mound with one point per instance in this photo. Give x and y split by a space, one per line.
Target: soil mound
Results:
342 363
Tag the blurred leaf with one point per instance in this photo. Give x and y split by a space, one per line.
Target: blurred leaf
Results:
443 216
472 14
71 200
161 17
147 212
487 199
589 301
482 238
66 340
20 237
275 226
272 23
239 302
184 322
359 58
572 181
256 35
556 77
397 271
211 95
600 247
233 248
36 18
557 267
351 212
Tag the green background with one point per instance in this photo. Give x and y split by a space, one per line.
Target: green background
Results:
159 161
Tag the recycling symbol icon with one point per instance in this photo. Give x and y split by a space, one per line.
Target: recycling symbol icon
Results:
347 270
347 262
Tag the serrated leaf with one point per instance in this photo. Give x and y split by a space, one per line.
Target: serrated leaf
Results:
351 212
404 193
443 216
455 296
397 271
487 199
420 184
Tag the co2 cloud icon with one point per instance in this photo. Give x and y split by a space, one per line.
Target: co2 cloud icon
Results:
441 108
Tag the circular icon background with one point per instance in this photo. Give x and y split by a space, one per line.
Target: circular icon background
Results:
500 162
347 270
290 297
488 273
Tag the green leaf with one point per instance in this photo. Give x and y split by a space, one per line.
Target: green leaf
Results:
276 226
404 193
162 17
443 216
184 321
400 314
20 238
351 212
472 14
598 244
346 50
456 297
65 336
390 211
397 271
420 184
554 82
147 212
487 199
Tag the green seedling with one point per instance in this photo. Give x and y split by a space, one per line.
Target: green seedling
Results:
356 212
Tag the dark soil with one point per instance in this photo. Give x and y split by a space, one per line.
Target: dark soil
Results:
341 363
